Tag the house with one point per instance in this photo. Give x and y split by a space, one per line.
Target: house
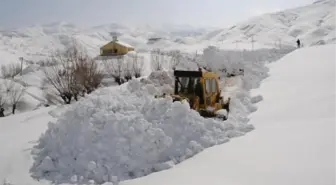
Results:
115 48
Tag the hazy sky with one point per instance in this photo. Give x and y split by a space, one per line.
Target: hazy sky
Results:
219 13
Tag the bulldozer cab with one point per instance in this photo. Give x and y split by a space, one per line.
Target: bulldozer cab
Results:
188 87
204 85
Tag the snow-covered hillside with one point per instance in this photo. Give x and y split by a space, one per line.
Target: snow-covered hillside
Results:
313 24
36 42
294 139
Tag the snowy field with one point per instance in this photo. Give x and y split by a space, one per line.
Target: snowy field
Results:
294 139
130 106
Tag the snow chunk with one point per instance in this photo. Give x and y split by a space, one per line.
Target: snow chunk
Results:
124 133
222 112
160 77
157 83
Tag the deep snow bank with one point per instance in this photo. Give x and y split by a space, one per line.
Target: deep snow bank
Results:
159 82
124 132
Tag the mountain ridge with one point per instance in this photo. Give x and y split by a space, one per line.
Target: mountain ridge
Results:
313 24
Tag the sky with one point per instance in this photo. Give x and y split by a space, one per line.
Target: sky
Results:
86 13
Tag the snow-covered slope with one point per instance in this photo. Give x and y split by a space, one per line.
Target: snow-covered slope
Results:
312 24
294 140
38 41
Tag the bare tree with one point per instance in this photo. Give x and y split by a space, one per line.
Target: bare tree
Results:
61 76
3 99
175 59
157 59
10 70
14 92
128 71
88 76
138 64
115 68
2 104
72 73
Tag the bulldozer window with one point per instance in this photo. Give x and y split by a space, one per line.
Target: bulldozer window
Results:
207 86
186 85
213 86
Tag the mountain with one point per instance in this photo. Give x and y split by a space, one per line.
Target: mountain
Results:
312 24
38 41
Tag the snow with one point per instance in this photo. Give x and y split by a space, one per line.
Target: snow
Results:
167 132
293 142
294 139
134 92
312 24
124 44
125 132
17 136
222 112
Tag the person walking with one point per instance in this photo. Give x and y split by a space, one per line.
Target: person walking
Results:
298 42
2 110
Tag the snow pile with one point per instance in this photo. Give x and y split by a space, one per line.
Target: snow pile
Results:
158 83
124 133
161 77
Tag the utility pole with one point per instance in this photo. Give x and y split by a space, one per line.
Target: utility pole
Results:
237 41
252 42
21 59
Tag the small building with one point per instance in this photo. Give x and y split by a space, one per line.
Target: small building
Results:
153 40
115 48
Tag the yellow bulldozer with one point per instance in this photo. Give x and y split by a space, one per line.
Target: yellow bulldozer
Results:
201 90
